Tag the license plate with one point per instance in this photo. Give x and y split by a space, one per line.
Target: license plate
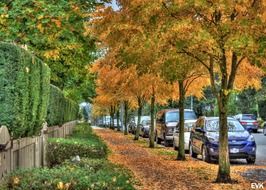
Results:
234 150
249 123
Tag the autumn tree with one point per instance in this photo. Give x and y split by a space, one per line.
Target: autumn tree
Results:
224 37
115 84
119 32
189 78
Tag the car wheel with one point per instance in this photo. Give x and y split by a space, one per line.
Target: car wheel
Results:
255 130
166 143
205 154
191 152
251 160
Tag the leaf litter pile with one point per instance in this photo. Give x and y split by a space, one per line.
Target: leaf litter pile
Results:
158 169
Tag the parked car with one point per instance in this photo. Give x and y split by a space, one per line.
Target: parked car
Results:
204 140
145 128
249 122
166 122
133 124
188 127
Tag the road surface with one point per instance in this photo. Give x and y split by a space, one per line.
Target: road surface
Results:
261 148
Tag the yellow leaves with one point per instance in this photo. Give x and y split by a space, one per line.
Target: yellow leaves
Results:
56 22
62 186
52 54
248 75
241 8
40 27
40 17
4 16
226 92
15 181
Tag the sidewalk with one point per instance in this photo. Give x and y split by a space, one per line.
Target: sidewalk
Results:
157 169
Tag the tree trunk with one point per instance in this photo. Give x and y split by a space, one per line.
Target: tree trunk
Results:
118 119
112 118
112 114
222 98
181 146
224 162
125 118
152 120
139 118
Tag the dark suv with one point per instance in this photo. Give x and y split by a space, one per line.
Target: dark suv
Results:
166 122
204 140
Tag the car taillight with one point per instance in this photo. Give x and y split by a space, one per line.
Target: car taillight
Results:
255 123
243 123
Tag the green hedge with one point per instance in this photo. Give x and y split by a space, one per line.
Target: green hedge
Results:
97 174
60 109
24 84
83 142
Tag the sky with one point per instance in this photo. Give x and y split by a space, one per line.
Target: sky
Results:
113 5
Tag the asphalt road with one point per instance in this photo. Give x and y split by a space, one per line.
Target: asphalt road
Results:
261 148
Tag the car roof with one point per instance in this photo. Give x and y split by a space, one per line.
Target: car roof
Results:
173 110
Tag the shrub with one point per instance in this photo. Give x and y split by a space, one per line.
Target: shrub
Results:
83 143
23 80
97 174
60 109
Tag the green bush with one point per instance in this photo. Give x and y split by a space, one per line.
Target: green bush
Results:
23 80
83 143
60 109
85 175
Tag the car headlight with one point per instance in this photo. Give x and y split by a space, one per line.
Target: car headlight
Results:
251 138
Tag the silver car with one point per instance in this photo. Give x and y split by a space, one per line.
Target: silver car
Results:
145 128
188 126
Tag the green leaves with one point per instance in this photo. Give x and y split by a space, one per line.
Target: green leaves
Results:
55 31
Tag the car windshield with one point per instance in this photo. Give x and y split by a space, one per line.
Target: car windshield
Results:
146 122
248 117
233 126
174 116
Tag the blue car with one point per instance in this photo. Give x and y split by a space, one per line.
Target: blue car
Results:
204 140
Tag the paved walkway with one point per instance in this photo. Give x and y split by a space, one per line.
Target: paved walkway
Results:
161 172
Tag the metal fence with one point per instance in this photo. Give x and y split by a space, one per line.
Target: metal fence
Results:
29 152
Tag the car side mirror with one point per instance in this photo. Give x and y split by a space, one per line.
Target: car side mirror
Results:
200 130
